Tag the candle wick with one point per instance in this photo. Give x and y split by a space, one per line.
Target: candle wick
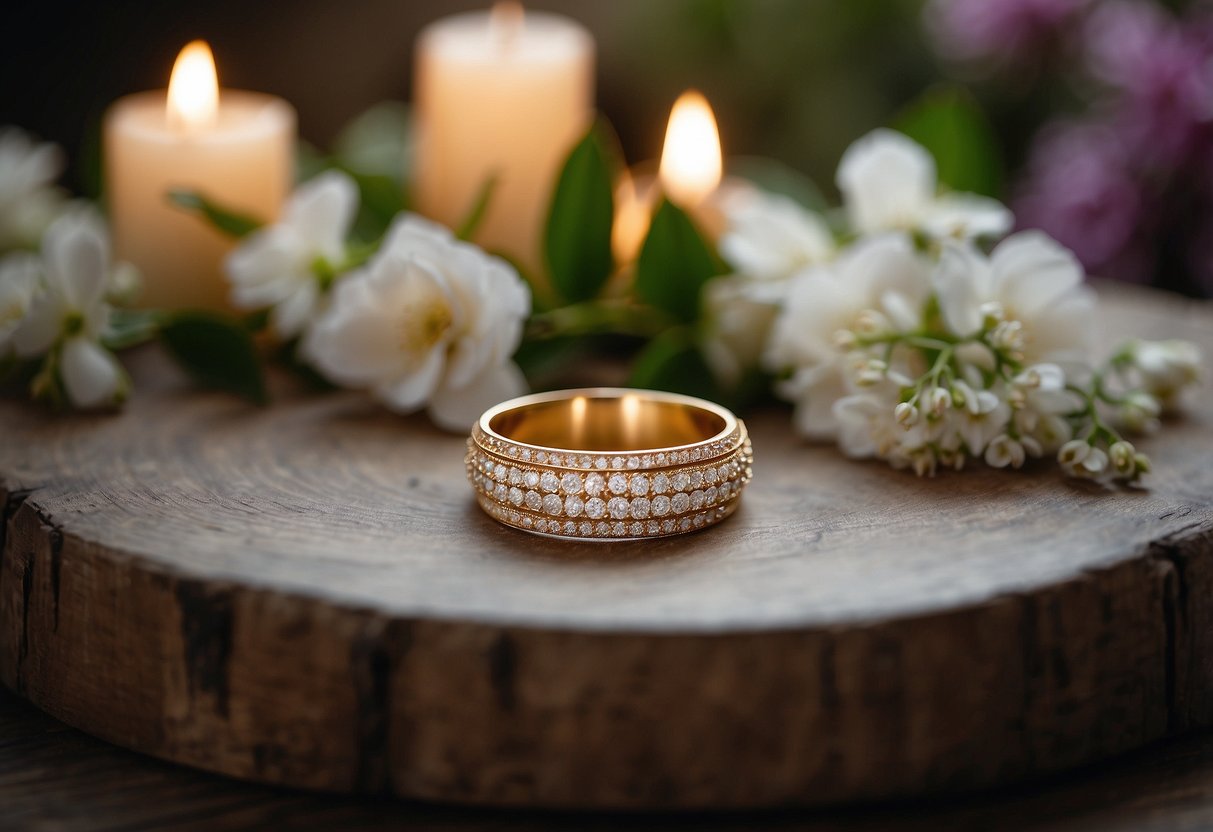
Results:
506 19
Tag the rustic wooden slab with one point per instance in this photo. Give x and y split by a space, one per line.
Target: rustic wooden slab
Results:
306 594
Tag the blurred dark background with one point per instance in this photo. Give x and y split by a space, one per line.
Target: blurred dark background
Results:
786 80
1117 162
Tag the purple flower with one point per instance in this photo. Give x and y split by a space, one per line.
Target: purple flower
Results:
997 29
1163 71
1080 190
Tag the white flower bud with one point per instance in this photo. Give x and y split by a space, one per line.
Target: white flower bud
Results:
871 372
1073 452
941 401
1139 412
1003 451
1167 368
869 322
1124 458
1095 463
1008 337
991 314
959 394
845 340
124 285
906 414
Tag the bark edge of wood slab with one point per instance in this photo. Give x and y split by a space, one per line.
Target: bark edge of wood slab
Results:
304 595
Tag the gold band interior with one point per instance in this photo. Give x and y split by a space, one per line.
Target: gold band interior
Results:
617 423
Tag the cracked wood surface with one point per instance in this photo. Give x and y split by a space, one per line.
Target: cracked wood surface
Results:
307 595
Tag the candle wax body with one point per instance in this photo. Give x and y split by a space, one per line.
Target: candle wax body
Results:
244 162
491 104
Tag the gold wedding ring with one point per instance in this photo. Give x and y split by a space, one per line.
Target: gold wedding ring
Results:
609 464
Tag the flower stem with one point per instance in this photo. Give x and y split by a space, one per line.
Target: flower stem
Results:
596 318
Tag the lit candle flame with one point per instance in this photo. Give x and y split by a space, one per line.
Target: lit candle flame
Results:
193 89
691 164
506 18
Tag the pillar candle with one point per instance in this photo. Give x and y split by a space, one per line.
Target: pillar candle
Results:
234 147
499 93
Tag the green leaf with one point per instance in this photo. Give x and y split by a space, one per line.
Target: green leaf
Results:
381 198
131 327
674 264
480 207
257 321
553 362
374 149
377 141
577 240
948 122
229 222
673 362
217 351
287 356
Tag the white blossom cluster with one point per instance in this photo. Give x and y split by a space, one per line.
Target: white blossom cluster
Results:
57 280
29 199
55 308
426 321
914 343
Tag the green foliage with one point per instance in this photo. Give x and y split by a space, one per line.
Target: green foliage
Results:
217 351
480 206
673 362
577 241
227 221
674 264
948 122
374 150
131 327
377 142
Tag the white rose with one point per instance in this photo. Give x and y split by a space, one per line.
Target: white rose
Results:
282 266
429 322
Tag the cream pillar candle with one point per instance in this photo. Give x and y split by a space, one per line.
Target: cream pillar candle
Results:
499 93
236 148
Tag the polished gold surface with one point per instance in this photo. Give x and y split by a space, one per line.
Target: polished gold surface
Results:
631 422
608 464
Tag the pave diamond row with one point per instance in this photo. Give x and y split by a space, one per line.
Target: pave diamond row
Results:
603 529
609 461
612 503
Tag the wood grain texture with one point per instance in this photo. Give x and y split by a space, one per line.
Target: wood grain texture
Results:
55 778
307 595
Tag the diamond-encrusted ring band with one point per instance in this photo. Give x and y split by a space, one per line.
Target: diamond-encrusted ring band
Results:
608 464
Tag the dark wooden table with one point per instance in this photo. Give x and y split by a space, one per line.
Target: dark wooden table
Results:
53 777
